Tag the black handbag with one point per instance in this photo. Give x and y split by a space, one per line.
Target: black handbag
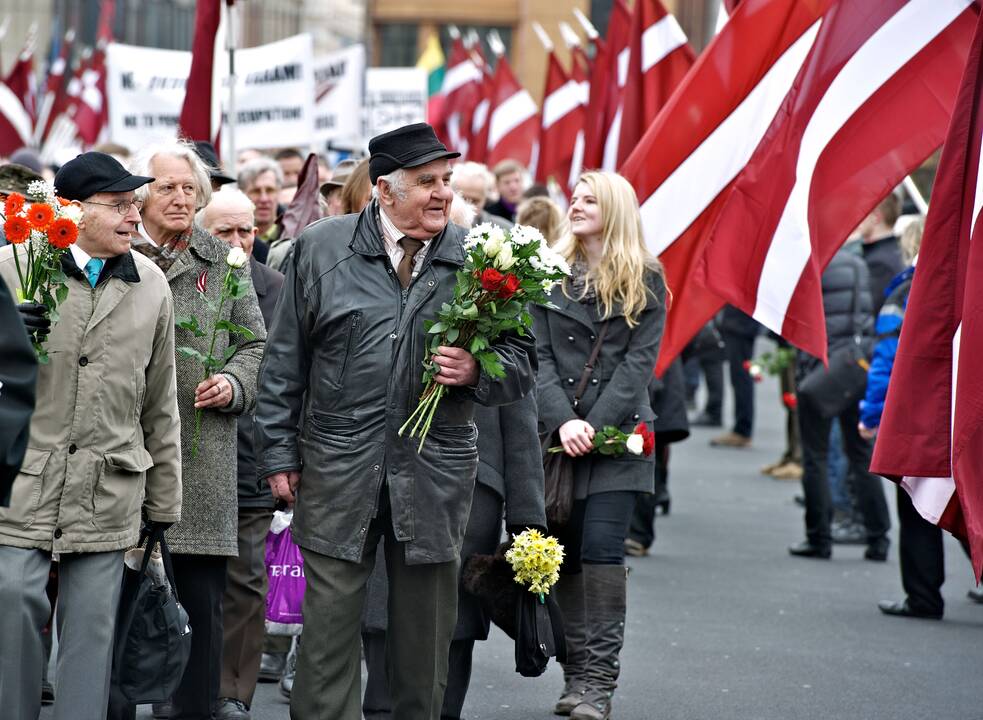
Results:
539 634
558 467
153 638
832 390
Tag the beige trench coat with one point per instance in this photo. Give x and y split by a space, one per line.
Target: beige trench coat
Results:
105 436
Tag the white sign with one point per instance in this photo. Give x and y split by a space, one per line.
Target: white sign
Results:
274 95
146 91
338 81
394 97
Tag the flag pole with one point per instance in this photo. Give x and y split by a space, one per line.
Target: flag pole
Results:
586 24
543 37
915 194
230 44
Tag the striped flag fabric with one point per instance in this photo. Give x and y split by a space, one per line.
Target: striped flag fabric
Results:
619 29
930 438
20 80
54 87
195 121
15 123
478 147
564 107
461 90
658 59
847 134
432 61
513 119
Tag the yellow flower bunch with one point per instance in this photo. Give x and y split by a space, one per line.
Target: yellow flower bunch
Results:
536 559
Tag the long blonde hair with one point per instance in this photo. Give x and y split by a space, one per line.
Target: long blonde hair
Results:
620 276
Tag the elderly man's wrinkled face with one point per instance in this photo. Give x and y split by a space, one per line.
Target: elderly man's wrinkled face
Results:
264 192
105 231
232 226
421 208
474 189
170 206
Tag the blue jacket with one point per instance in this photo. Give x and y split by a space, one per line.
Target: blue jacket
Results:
888 330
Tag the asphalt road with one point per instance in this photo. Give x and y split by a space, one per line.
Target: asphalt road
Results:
723 623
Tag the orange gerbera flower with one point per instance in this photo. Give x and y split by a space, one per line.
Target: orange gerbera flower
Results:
62 233
16 229
40 216
14 204
63 202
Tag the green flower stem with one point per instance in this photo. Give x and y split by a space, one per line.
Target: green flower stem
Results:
210 359
433 409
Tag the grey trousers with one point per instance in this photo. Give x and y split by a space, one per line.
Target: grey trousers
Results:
88 597
422 615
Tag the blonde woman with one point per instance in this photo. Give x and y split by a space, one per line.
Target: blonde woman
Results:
617 293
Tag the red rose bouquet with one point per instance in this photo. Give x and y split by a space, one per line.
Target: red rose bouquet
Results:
503 272
41 228
609 440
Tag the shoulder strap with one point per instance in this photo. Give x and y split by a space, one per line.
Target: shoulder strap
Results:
589 367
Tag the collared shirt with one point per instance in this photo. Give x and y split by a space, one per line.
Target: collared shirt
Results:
80 256
391 235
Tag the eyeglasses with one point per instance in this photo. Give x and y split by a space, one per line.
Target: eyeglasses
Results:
122 207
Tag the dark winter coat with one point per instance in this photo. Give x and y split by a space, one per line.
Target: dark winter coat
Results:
344 364
847 305
668 396
617 393
884 261
732 321
510 471
252 492
888 329
18 377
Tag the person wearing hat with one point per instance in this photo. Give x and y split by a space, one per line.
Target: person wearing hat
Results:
104 442
341 374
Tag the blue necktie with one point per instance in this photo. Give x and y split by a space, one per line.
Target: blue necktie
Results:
92 270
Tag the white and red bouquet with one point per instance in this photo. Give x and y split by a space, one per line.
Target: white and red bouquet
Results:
503 273
609 440
45 225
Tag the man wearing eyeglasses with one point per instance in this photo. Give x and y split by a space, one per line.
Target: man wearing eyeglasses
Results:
104 441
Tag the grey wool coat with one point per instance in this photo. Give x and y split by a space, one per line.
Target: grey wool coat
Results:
209 521
617 393
344 363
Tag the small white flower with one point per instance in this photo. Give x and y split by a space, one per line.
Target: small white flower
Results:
526 234
505 259
40 190
635 444
548 286
72 212
236 258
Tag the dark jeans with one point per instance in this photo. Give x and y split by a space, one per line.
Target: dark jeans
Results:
815 482
712 367
740 349
643 519
597 530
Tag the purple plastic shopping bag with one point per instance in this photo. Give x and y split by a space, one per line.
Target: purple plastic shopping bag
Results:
285 570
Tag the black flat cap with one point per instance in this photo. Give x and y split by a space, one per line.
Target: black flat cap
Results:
406 147
95 172
15 178
206 151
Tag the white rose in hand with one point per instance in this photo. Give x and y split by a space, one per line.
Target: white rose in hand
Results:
236 258
492 245
635 444
505 259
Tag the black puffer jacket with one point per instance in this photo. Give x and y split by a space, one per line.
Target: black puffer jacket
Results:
846 304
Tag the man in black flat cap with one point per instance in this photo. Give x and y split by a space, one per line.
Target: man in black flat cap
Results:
344 365
104 441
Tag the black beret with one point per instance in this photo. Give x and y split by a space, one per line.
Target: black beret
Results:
406 147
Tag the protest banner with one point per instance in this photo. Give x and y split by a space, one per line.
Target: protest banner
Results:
394 97
146 89
338 79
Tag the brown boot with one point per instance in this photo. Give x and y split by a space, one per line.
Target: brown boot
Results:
732 440
569 593
605 588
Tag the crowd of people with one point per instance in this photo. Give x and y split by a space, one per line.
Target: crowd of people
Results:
321 367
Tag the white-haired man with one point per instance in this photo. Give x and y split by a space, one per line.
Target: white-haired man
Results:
229 217
262 180
195 265
473 182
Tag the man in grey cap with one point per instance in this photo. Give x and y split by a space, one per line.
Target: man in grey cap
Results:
104 441
342 372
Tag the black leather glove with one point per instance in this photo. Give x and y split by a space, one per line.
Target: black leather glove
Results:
35 319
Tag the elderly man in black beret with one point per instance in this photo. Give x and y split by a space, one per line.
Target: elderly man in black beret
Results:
344 365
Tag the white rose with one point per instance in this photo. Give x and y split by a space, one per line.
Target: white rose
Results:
236 258
635 444
493 245
72 212
505 259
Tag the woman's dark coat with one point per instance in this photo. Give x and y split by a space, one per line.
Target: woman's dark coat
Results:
617 393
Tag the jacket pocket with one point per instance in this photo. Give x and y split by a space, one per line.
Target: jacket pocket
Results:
347 339
25 496
119 490
330 427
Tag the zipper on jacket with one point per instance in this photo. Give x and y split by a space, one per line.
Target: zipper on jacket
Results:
352 328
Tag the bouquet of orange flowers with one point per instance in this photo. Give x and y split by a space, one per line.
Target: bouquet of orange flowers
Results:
41 228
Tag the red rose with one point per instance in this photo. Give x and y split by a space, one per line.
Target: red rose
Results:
790 400
508 287
649 445
746 364
62 233
491 279
16 229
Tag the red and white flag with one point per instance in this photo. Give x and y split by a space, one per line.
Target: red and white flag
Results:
478 144
461 90
619 36
659 57
930 435
21 81
870 103
596 95
195 122
513 120
15 123
564 107
54 88
703 138
92 109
